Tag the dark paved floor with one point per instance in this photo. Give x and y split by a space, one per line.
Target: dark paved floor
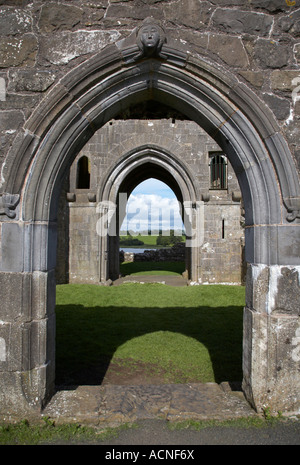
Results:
114 404
152 409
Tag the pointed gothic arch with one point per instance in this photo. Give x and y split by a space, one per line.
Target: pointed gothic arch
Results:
134 167
245 129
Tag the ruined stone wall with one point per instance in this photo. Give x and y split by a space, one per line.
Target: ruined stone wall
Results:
257 40
220 253
254 43
185 139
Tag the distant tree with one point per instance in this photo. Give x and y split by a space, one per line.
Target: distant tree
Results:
129 240
170 240
163 240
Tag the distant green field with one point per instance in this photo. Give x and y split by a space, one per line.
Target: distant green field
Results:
148 240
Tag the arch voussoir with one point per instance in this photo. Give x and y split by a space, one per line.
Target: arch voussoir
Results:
84 100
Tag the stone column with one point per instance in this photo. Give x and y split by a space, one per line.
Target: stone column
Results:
271 363
27 342
106 225
194 224
27 315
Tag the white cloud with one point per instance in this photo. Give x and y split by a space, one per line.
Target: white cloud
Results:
144 210
154 186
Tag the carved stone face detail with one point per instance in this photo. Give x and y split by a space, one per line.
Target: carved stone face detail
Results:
150 36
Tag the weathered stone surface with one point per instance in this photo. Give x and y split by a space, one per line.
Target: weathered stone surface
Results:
227 45
31 81
285 80
279 106
297 52
269 289
19 3
11 120
288 284
122 14
290 23
189 13
17 51
241 22
271 53
65 46
14 21
12 285
114 405
24 102
193 39
14 400
56 17
271 361
256 78
229 49
228 2
269 5
273 6
292 129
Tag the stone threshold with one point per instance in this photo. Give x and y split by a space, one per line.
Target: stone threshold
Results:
112 405
152 279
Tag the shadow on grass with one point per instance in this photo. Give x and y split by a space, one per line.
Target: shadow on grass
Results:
88 337
128 268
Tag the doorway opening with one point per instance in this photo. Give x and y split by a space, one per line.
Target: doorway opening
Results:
148 333
152 235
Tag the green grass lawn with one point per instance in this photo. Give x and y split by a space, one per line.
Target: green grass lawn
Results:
192 333
148 240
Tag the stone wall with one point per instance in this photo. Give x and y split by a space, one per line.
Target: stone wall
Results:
258 41
255 46
219 255
184 138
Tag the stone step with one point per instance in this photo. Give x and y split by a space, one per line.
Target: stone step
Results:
116 404
163 279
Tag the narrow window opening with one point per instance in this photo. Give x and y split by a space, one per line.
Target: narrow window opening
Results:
218 172
83 173
223 229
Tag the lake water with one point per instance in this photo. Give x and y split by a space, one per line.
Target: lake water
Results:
132 250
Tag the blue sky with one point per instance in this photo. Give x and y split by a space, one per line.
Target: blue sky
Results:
154 186
155 197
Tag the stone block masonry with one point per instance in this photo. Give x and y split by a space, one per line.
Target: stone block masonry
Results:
253 39
220 257
67 69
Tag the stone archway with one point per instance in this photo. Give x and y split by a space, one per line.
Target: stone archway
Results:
133 168
80 103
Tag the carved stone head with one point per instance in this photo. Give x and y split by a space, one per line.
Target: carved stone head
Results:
150 38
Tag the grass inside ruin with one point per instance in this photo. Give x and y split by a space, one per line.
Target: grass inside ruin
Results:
190 334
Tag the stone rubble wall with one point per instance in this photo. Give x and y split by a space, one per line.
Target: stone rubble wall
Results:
258 41
173 254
